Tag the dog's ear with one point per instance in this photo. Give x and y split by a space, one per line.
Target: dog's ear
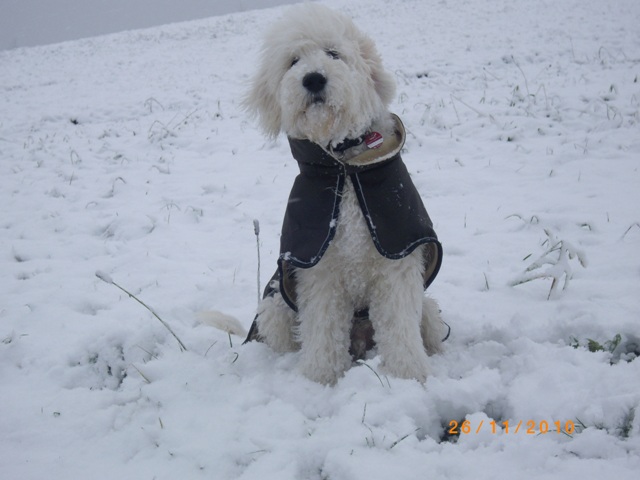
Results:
261 102
385 84
383 81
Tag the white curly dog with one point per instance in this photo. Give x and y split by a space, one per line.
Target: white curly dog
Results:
357 247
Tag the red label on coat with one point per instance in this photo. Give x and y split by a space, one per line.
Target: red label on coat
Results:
373 140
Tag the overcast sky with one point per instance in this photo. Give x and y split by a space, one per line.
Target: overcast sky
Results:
25 23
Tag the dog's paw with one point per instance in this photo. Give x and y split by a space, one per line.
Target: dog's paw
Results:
326 373
322 376
407 366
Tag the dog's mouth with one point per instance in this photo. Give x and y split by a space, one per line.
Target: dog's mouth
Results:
316 98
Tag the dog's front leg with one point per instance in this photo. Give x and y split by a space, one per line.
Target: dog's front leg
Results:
325 314
395 310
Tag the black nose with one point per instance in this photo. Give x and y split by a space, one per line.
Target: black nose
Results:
314 82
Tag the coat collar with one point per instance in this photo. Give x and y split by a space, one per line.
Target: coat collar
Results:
327 160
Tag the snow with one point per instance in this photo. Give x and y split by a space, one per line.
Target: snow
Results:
127 160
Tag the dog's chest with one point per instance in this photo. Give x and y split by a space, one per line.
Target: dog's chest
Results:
352 254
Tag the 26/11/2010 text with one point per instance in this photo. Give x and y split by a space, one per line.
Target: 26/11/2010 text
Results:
530 427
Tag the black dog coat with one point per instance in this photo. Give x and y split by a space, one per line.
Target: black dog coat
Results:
395 215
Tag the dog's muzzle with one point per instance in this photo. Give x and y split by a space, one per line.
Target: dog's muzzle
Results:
314 83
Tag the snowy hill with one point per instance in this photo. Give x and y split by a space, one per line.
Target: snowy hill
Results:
129 155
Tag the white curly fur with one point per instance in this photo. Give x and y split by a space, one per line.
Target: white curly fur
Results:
313 38
352 274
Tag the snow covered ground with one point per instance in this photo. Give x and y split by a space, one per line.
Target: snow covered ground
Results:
129 155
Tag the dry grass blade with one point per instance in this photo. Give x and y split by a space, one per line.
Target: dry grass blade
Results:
106 278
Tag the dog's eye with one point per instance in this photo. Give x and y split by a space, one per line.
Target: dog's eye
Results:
333 54
294 60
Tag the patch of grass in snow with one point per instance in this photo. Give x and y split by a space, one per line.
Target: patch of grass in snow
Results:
595 346
627 350
553 263
159 130
622 429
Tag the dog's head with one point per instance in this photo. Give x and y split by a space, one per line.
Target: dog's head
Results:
320 78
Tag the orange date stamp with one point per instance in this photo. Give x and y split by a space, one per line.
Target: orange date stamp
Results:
529 427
